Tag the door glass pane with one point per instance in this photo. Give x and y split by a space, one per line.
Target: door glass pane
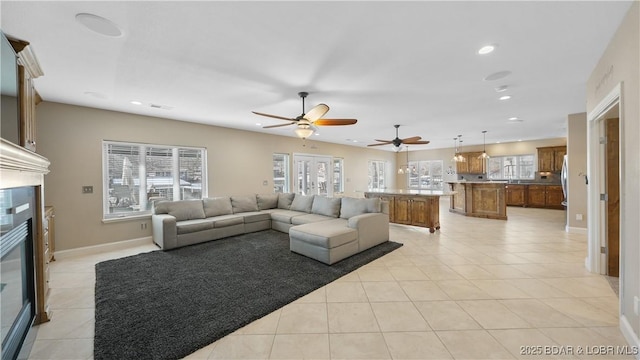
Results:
322 178
303 176
338 184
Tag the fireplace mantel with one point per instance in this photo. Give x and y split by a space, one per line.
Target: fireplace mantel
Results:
21 167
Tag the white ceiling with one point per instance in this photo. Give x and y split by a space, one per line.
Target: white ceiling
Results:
384 63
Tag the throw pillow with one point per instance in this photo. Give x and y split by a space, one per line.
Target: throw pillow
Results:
244 203
302 203
267 201
217 206
326 206
181 209
285 200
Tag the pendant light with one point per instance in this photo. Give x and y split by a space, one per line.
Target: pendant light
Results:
458 157
405 168
484 146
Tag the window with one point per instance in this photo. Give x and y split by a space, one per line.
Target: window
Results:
338 179
512 167
135 175
281 173
426 174
377 175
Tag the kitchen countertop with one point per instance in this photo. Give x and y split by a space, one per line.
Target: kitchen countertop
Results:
412 192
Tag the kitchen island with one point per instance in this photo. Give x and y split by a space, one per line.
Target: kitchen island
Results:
484 199
412 207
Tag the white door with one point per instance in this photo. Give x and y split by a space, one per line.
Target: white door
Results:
312 175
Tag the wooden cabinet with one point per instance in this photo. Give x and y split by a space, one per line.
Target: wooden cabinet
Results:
550 158
516 195
28 69
47 248
545 196
554 197
473 164
479 199
412 209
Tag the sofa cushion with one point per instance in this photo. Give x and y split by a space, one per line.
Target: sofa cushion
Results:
302 203
326 206
217 206
244 203
226 220
352 206
181 209
267 201
309 218
285 216
190 226
252 217
327 234
285 200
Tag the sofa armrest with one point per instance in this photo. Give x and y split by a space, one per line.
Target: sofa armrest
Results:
373 229
165 232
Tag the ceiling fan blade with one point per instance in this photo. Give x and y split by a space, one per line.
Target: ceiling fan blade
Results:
411 139
275 126
416 142
334 122
316 113
384 143
273 116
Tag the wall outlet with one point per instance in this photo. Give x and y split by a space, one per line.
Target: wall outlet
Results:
87 189
265 182
579 217
143 226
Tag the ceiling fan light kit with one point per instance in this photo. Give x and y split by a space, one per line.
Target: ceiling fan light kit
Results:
306 122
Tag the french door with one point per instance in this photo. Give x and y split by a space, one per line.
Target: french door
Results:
313 175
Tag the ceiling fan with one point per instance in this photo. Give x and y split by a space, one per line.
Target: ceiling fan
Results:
307 122
397 142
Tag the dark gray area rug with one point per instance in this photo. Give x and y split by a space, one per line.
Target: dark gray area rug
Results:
168 304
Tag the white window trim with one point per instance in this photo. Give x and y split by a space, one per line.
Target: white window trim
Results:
106 217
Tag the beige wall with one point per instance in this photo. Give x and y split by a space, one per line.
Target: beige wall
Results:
238 162
513 148
577 158
620 64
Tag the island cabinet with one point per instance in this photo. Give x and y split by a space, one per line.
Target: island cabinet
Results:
516 195
417 208
550 158
479 199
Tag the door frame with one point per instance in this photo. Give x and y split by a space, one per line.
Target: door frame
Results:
610 106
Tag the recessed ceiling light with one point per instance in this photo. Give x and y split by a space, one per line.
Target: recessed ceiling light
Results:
317 134
502 88
487 49
99 24
497 75
519 139
497 142
355 141
505 97
258 124
135 102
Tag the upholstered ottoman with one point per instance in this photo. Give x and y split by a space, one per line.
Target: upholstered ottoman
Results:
325 241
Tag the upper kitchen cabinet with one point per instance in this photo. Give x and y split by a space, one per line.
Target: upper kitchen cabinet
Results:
550 158
473 164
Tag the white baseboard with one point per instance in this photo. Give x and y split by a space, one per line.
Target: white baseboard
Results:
97 249
575 230
629 335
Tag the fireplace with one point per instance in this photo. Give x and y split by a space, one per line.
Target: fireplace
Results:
21 224
17 284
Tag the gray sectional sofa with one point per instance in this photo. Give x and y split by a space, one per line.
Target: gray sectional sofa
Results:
323 228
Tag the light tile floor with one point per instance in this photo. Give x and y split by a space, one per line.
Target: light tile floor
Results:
477 289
